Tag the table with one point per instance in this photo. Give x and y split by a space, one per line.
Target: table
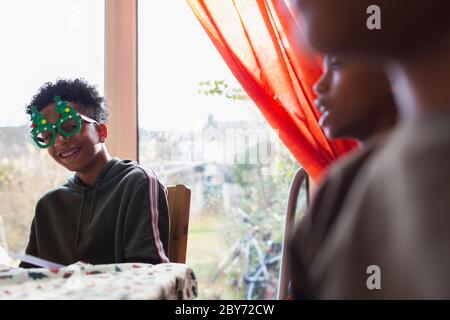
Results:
134 281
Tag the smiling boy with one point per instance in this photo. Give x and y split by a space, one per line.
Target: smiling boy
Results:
111 210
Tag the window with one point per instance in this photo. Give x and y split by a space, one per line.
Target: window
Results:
197 127
42 41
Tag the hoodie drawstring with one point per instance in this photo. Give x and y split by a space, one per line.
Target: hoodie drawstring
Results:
91 211
77 236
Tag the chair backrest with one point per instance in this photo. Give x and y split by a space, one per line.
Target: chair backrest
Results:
179 199
299 178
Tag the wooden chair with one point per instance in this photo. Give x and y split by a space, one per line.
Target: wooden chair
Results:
299 178
179 200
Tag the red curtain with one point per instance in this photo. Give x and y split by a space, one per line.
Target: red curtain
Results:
259 42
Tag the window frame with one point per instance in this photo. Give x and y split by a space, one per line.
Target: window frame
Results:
121 77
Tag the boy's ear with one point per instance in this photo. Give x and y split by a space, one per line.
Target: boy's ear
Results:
102 132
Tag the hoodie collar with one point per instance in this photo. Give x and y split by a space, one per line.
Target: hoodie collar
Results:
76 184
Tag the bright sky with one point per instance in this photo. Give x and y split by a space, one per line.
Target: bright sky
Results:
46 39
175 53
43 40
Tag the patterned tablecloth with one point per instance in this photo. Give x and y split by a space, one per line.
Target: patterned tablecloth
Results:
109 281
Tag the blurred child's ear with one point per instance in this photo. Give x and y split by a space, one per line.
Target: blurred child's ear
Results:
387 87
102 129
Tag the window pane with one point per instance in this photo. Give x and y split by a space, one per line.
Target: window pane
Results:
41 41
210 136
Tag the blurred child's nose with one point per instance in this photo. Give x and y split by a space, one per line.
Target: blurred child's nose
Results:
321 86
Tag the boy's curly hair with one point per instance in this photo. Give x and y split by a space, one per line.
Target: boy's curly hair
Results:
77 91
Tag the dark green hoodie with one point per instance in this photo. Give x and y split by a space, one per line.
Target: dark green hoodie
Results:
123 218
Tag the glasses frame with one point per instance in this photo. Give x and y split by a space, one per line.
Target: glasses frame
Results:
55 128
